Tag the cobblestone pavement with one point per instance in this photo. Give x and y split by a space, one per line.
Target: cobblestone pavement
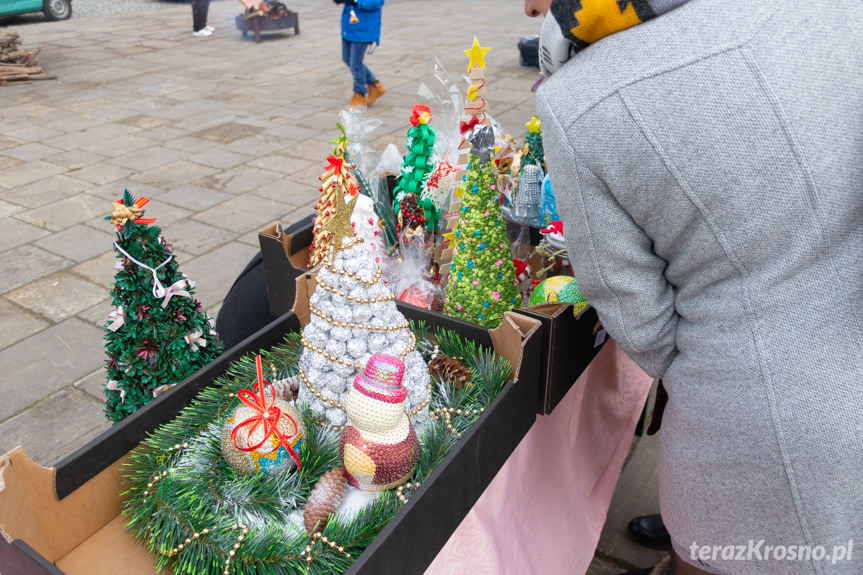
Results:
223 135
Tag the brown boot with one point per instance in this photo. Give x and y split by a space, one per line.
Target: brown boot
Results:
376 90
356 101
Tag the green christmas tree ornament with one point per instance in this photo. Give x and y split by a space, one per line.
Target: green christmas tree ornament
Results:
416 165
482 283
532 152
157 333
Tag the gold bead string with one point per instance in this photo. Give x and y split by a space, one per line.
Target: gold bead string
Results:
351 364
403 486
158 476
331 268
325 542
351 324
344 294
317 393
448 412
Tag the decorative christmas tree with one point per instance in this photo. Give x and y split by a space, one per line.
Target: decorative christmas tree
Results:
532 152
482 282
157 333
335 180
416 165
354 316
476 108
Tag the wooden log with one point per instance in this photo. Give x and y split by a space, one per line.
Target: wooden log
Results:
16 70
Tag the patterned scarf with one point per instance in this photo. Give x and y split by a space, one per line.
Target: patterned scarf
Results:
573 25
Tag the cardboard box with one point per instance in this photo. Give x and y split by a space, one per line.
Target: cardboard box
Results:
569 344
69 516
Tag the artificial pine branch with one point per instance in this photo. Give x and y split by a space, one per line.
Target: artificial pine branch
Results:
197 489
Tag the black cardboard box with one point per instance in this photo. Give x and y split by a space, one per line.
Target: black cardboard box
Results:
68 517
569 343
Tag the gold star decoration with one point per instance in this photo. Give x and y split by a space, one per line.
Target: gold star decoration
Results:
534 126
123 213
339 226
476 54
450 237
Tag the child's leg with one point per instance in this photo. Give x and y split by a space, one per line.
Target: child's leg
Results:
346 52
356 51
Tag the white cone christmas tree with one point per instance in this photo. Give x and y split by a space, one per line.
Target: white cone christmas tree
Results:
354 316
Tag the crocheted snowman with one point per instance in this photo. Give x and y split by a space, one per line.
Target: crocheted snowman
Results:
378 446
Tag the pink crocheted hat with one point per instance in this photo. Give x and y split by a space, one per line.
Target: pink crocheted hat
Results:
382 379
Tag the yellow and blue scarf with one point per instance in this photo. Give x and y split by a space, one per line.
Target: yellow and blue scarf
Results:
573 25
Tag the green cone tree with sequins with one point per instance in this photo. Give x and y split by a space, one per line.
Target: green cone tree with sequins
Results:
482 282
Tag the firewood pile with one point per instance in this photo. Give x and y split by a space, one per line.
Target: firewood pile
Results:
18 66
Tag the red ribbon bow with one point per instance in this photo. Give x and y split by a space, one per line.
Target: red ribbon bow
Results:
267 415
469 125
335 163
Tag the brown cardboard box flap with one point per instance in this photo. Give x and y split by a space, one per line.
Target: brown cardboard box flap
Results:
298 256
29 509
509 335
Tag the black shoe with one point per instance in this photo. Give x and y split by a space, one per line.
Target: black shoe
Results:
648 530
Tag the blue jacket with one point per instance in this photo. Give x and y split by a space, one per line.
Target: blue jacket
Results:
368 29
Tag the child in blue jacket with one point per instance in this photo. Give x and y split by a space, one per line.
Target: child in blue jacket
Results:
361 26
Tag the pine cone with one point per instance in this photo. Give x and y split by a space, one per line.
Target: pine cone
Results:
324 499
450 370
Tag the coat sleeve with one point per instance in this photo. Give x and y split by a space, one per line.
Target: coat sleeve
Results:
613 258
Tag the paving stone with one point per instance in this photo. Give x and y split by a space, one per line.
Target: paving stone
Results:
228 132
120 146
93 385
45 191
7 162
91 137
69 418
58 296
143 121
15 233
34 133
216 271
24 264
297 214
196 237
98 314
221 159
193 197
78 243
64 213
100 174
16 323
147 159
75 159
28 172
290 192
99 270
174 174
30 152
7 209
114 191
238 180
604 566
243 213
46 362
168 133
260 145
309 149
7 142
284 164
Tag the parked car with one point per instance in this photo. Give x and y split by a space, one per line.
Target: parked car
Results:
53 9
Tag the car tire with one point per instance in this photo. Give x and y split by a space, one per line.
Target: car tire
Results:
57 9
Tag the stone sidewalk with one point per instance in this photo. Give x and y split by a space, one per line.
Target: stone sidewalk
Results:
223 135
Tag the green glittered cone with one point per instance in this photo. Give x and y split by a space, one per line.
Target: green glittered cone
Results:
482 284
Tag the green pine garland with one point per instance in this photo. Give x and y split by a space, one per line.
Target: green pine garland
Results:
197 490
150 349
482 283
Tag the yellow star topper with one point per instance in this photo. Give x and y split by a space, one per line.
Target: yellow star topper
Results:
476 54
339 226
534 126
450 237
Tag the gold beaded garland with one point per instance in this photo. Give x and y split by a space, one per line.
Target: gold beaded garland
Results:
344 294
332 269
332 321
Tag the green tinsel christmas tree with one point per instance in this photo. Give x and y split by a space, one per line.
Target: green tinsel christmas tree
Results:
532 153
416 165
482 282
157 333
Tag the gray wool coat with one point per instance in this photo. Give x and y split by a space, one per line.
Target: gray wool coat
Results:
708 166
